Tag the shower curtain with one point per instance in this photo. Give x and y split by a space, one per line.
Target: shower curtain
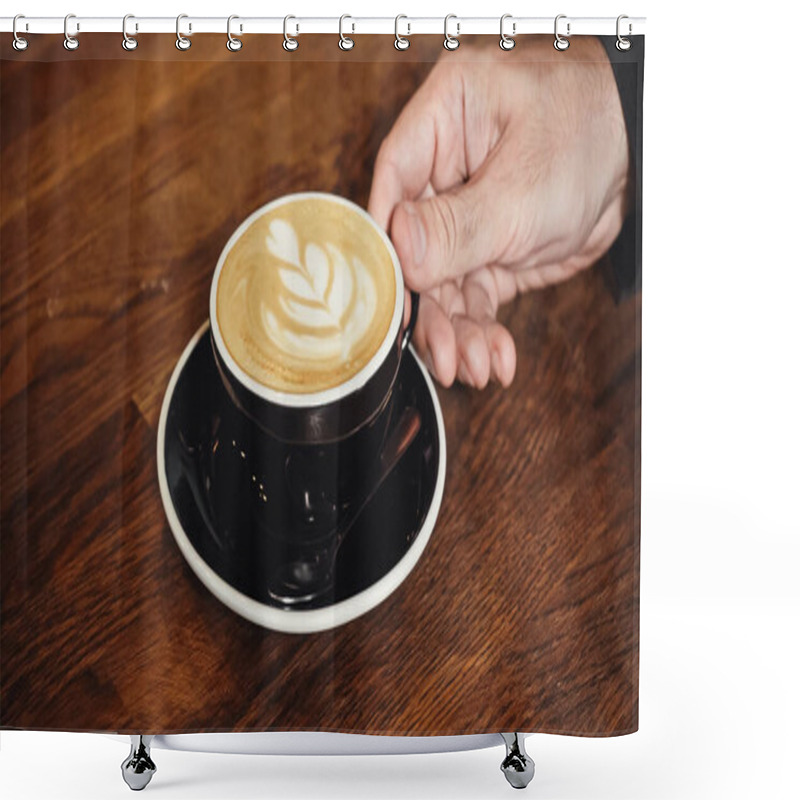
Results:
484 575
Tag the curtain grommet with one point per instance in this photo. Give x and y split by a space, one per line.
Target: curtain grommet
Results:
623 44
128 42
70 42
19 43
451 42
401 42
561 43
507 42
182 43
290 43
345 42
233 44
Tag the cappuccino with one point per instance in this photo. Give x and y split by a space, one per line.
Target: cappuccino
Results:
306 294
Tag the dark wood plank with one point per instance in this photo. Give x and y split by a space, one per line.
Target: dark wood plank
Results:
122 176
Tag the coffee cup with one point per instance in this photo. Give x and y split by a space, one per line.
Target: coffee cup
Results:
306 312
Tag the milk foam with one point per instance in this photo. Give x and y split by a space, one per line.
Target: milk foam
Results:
306 296
328 300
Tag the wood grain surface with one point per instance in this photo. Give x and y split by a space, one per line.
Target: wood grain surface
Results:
123 175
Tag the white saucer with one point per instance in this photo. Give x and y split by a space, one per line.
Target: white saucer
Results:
295 620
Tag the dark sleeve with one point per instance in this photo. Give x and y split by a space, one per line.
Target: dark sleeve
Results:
625 255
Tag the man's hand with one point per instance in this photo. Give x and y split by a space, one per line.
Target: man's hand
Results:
505 172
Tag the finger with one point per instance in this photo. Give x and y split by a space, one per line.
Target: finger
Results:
575 241
558 272
421 143
604 232
502 353
474 361
506 283
398 177
480 298
435 341
544 275
593 248
449 235
481 294
451 298
500 283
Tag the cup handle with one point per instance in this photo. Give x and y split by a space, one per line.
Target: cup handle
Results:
411 322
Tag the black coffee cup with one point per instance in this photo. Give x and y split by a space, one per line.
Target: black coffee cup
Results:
324 416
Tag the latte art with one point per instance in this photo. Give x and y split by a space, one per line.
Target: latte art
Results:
328 301
306 295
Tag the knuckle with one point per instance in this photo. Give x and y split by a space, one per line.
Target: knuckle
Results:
466 218
447 224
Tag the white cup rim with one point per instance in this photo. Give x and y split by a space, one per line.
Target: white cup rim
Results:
357 381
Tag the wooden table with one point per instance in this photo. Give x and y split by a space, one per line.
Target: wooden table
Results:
122 178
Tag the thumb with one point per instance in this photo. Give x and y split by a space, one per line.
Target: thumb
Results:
447 235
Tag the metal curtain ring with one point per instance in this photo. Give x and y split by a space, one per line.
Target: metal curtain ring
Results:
128 42
233 44
451 42
506 41
560 42
19 43
623 44
182 43
345 42
400 42
290 44
70 42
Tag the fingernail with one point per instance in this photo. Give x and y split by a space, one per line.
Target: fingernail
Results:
417 233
